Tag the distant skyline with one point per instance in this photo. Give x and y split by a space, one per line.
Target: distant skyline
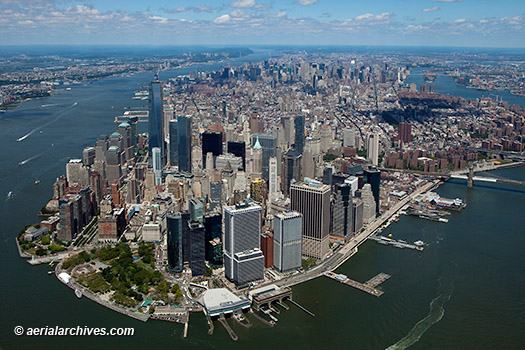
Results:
469 23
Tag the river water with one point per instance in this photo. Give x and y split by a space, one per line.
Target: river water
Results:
465 291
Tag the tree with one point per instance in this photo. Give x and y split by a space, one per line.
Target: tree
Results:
46 240
41 252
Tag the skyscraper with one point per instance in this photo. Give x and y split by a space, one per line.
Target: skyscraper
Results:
291 169
243 259
156 118
299 133
268 144
196 210
373 177
175 258
184 143
405 132
349 137
369 205
257 159
238 149
174 143
273 184
287 240
157 165
211 142
342 210
312 199
373 149
267 248
197 246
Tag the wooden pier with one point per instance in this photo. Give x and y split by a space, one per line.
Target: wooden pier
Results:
369 286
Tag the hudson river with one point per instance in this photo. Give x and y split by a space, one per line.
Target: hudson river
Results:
465 291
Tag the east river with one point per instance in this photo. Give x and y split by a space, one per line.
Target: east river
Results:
465 291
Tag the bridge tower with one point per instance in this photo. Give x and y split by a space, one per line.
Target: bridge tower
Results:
470 180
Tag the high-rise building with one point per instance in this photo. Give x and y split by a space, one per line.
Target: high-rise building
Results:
267 248
405 132
256 190
273 184
357 214
373 149
184 143
213 237
173 153
157 165
257 159
349 137
287 240
186 242
342 210
156 117
197 246
211 142
268 144
238 149
372 176
243 259
291 169
174 225
300 138
312 199
369 204
88 156
196 210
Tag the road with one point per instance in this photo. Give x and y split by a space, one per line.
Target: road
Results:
350 248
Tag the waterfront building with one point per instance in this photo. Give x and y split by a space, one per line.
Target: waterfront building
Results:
369 204
157 165
372 176
243 259
299 133
342 210
312 199
357 214
287 240
88 156
174 226
156 118
197 246
373 149
267 248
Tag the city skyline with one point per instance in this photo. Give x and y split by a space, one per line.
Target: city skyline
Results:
244 22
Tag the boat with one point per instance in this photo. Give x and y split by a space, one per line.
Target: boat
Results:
50 272
10 195
68 89
420 243
78 293
37 182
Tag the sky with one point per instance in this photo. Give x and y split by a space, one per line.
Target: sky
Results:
462 23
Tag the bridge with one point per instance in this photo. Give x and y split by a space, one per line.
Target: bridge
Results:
487 179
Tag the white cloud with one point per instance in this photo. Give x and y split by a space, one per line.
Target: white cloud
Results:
222 19
245 4
461 20
306 2
431 9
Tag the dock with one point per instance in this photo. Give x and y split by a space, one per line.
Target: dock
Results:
302 308
226 326
398 244
368 287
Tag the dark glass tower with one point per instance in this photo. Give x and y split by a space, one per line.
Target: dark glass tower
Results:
211 142
342 212
197 255
184 143
238 149
299 133
174 223
373 177
174 143
268 144
156 118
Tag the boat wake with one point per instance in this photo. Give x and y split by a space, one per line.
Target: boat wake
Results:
33 157
48 105
437 311
60 115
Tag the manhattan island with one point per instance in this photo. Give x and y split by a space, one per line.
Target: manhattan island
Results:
255 178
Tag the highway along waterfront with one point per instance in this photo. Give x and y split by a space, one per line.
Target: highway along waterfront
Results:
464 291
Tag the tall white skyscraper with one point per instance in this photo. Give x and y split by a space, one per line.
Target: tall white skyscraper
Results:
373 148
157 165
243 258
369 204
349 137
274 179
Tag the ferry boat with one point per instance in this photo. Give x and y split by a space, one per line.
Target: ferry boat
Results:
78 293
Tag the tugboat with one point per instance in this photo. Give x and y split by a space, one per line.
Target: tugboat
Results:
78 293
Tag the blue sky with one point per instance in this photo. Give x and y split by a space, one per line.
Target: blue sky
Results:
244 22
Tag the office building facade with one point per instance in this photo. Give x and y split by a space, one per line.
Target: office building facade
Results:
287 240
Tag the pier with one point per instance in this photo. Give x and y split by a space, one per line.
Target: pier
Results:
393 242
226 326
302 308
368 286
